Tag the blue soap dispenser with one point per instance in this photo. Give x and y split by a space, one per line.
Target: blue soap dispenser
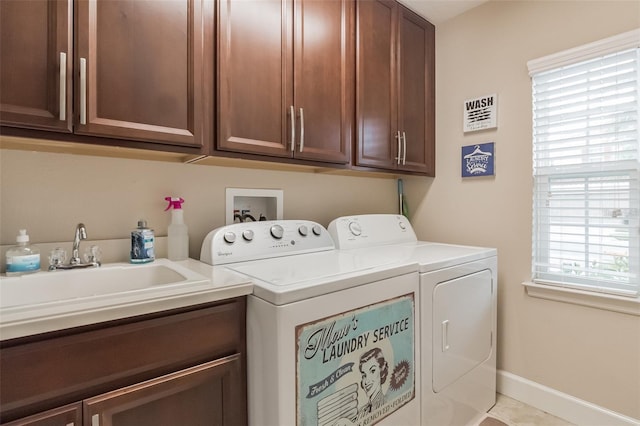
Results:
142 244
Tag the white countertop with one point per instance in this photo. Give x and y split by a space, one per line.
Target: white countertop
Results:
21 321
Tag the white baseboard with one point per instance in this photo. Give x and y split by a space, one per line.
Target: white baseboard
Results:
567 407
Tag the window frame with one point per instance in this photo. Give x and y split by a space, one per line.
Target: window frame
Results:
547 289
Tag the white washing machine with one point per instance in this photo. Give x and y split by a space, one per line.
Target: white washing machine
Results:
332 337
458 296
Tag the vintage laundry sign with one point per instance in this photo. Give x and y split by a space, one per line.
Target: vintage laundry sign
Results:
358 367
478 160
480 113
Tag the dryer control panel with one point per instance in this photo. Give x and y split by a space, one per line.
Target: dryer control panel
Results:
371 230
245 241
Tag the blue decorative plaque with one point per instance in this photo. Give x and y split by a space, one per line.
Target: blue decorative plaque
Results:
478 160
358 367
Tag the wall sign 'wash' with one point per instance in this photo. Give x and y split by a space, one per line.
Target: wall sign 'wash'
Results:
478 160
480 113
357 367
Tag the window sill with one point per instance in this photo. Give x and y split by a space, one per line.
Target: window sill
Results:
625 305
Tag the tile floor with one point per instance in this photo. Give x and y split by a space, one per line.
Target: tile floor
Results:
516 413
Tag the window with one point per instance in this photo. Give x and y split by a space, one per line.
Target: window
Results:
586 150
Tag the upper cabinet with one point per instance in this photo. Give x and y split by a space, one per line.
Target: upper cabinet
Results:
286 78
395 88
36 60
336 82
141 70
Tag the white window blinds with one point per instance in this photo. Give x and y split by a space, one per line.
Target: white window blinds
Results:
586 143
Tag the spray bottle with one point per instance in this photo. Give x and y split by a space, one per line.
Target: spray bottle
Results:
177 232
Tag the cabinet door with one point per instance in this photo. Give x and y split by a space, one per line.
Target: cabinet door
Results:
376 106
255 71
80 364
140 70
69 415
35 64
205 395
324 79
416 94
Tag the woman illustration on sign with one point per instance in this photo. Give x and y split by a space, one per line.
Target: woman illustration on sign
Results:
374 371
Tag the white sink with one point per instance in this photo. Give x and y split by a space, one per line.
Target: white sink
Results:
110 281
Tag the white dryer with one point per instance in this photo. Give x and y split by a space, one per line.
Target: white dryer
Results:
458 295
332 337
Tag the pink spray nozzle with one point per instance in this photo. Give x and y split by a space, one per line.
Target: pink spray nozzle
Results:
175 202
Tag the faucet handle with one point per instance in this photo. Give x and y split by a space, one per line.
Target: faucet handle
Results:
93 254
57 256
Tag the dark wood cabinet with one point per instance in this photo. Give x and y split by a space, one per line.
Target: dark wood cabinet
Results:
69 415
141 71
285 78
176 367
204 395
395 88
341 83
376 104
36 63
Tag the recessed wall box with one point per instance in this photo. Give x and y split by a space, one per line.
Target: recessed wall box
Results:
253 204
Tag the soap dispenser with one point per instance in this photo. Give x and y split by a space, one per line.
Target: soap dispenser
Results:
22 258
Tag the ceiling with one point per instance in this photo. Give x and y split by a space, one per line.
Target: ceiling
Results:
438 11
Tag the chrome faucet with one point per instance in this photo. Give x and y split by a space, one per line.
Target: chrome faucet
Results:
81 234
58 255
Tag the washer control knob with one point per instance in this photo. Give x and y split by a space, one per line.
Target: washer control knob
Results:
402 225
316 230
303 230
277 231
355 229
247 235
229 237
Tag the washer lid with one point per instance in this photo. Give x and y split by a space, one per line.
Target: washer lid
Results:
286 279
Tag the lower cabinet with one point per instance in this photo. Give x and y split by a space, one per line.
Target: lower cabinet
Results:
185 368
69 415
205 395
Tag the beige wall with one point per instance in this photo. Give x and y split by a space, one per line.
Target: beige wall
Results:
588 353
49 193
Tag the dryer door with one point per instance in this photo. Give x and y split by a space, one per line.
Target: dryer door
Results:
462 340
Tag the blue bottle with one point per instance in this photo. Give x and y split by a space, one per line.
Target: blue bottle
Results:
142 244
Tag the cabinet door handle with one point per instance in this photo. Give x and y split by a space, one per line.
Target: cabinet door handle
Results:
62 114
301 129
399 147
293 128
404 147
83 91
95 420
